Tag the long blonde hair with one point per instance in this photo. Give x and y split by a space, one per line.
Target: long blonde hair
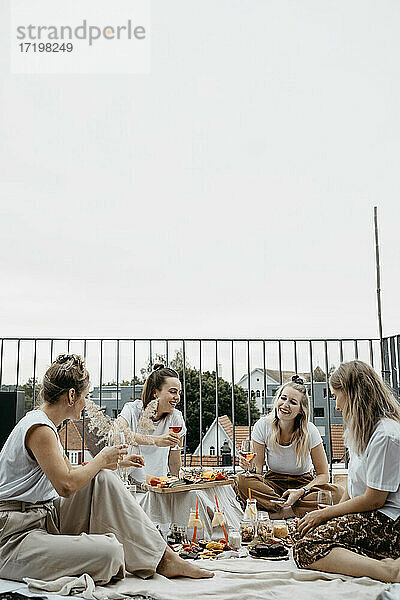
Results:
367 400
301 435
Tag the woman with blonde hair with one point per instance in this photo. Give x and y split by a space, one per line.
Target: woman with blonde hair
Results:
292 448
361 535
61 520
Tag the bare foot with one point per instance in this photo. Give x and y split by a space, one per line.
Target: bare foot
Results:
171 565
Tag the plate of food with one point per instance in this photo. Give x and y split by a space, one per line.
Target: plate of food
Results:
271 550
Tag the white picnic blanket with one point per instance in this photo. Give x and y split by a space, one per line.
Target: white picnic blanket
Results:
252 579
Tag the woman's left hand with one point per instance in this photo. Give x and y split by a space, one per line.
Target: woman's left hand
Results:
311 520
132 460
292 495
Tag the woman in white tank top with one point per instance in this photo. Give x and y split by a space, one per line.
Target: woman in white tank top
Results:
60 520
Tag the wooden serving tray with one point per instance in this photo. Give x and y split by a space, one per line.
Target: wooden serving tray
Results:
189 486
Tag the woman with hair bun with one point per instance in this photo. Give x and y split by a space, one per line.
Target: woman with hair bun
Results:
360 536
60 520
292 448
162 385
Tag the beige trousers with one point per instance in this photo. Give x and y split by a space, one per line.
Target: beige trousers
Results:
101 530
271 486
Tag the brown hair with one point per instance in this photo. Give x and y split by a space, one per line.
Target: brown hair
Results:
155 381
301 435
66 372
367 400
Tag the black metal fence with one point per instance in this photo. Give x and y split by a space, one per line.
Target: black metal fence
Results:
115 363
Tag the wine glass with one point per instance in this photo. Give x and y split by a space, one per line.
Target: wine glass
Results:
324 499
175 429
116 438
247 451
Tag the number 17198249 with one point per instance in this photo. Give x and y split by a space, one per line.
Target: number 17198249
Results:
46 47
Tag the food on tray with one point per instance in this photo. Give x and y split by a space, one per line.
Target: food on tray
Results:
214 546
187 478
162 482
201 549
272 549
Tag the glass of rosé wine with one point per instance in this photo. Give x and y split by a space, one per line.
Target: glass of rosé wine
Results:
247 452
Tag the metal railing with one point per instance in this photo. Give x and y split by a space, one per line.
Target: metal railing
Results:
236 362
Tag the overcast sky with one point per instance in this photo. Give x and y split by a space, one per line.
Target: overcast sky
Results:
229 192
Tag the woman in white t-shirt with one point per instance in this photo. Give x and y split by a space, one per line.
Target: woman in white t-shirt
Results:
292 448
361 535
164 456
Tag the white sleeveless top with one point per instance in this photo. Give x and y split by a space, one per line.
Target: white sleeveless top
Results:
21 478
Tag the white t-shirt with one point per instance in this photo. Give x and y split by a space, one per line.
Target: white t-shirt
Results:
155 458
379 467
282 459
21 478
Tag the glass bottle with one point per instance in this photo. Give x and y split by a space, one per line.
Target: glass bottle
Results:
195 527
250 512
219 519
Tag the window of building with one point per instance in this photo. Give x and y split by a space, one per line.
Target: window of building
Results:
75 457
258 379
258 393
263 393
324 392
212 451
319 411
273 391
114 413
252 393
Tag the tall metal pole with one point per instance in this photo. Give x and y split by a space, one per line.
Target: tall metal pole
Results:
378 290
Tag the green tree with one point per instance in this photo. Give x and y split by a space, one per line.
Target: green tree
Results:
27 388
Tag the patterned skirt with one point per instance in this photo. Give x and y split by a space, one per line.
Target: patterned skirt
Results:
370 533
